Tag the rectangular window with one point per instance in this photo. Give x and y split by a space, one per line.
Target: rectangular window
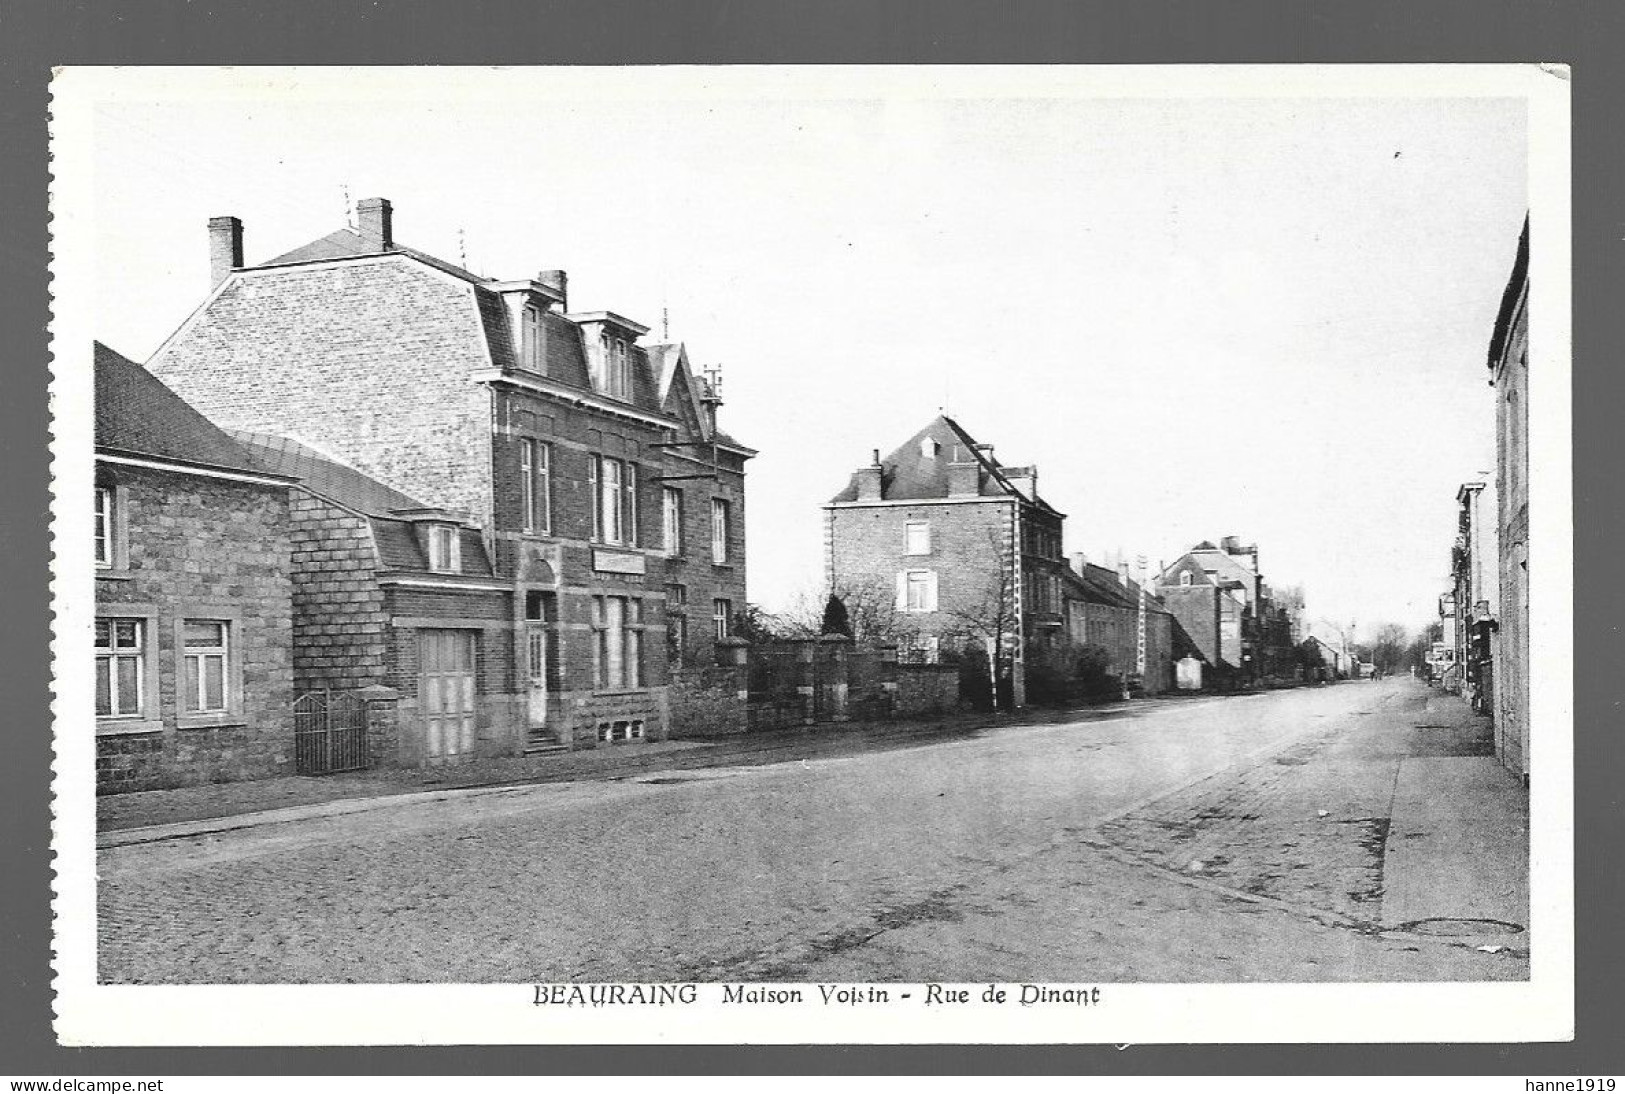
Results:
918 591
618 649
614 485
917 536
719 531
671 519
203 655
676 622
533 352
536 485
722 617
445 549
104 526
616 369
120 667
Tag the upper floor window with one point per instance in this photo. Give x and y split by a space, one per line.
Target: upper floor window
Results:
721 518
121 654
616 367
1185 577
671 519
445 549
722 613
917 591
104 525
917 537
533 342
614 486
536 485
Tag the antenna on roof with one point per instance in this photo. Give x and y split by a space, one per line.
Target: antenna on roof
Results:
665 324
349 221
462 248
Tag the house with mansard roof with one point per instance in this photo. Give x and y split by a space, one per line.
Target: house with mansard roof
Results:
590 467
194 680
963 547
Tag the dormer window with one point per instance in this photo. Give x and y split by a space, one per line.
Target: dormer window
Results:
533 344
445 549
616 372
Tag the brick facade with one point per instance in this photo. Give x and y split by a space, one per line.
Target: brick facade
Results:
197 546
432 380
1509 368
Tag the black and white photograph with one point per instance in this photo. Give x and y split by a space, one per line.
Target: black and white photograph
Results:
752 554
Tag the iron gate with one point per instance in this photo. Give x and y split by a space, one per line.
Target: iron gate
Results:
329 732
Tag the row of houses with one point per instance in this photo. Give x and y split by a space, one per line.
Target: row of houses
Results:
1483 648
420 513
970 557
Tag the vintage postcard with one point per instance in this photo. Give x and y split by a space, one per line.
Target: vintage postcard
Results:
560 555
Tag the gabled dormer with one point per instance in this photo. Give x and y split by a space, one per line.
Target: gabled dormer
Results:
527 304
610 343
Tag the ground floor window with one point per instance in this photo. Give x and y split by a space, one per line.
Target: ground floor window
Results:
121 652
618 642
204 654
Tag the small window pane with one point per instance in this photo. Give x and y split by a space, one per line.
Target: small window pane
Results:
214 683
104 686
128 684
204 633
104 635
127 634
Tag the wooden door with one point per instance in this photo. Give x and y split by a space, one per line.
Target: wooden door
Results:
446 692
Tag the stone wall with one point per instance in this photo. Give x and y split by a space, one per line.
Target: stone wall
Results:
195 547
339 620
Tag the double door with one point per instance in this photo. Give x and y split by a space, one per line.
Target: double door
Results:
446 692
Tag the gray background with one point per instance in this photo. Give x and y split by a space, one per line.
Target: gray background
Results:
36 34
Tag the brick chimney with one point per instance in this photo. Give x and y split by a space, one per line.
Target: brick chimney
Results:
1079 562
375 221
225 248
869 480
557 279
964 478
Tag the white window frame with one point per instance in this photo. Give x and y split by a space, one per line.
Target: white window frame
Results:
536 485
921 582
722 611
136 653
917 537
194 700
1185 577
614 485
671 519
721 520
106 507
445 549
618 645
533 348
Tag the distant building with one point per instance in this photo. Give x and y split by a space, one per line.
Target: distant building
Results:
1102 610
588 471
1219 596
1509 374
963 548
194 677
1475 574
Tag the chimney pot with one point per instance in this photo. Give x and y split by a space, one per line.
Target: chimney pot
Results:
876 459
225 248
375 221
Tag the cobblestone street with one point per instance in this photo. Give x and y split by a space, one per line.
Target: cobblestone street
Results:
1246 838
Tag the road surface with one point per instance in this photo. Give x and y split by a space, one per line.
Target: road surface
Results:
1216 839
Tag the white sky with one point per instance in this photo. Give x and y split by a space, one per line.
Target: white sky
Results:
1199 316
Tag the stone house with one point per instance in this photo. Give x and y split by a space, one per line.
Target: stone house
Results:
1103 610
962 549
194 600
1509 375
590 468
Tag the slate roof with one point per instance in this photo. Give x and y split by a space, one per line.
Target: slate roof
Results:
138 416
906 475
1509 298
1099 585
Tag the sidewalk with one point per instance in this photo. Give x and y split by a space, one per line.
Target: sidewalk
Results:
1396 818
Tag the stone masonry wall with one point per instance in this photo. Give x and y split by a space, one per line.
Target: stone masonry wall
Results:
367 360
339 620
202 548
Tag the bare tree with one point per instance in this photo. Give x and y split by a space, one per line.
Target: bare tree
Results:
992 617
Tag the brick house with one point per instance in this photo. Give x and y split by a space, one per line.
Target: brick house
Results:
1509 375
1102 609
962 547
194 677
590 468
1220 598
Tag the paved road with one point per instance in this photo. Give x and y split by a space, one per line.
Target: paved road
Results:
1086 851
